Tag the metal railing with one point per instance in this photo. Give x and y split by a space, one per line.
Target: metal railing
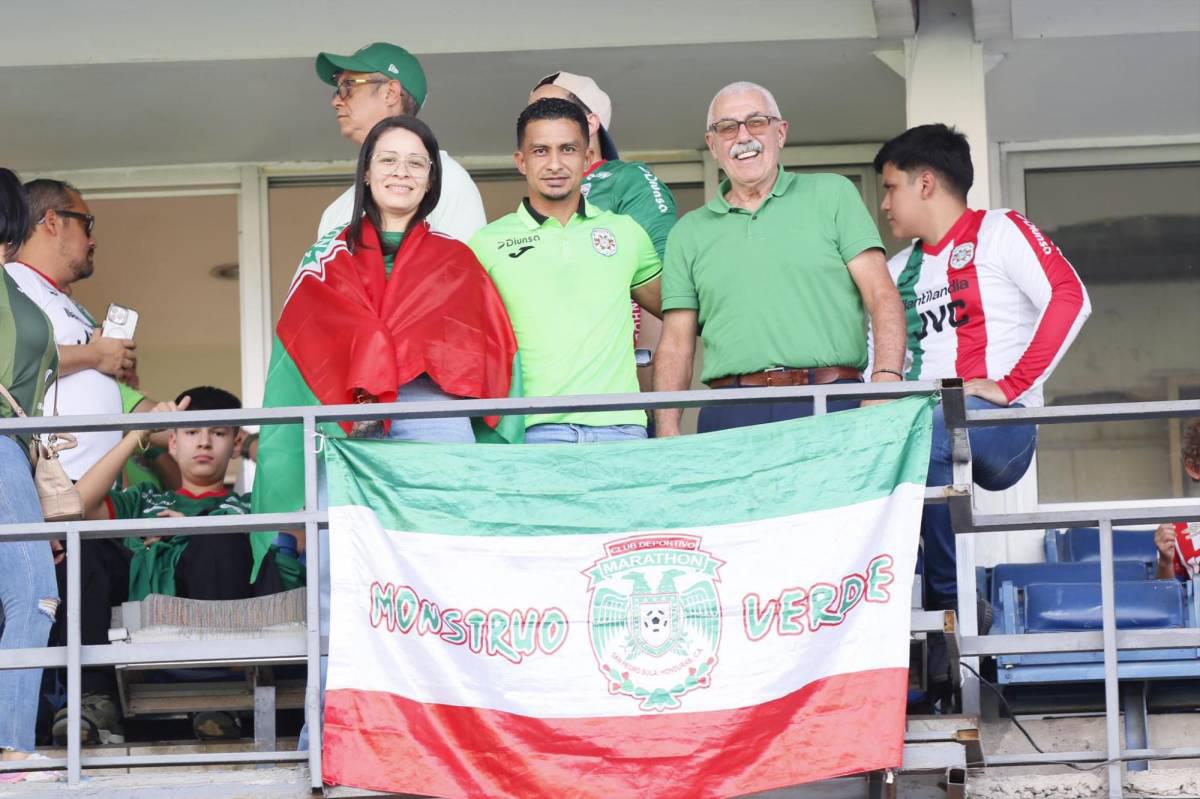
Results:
74 656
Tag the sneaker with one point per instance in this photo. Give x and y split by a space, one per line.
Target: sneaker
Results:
30 776
100 722
210 725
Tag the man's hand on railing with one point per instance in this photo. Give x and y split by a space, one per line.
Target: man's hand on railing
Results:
986 389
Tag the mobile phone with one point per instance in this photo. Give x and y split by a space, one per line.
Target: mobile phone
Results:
642 356
120 322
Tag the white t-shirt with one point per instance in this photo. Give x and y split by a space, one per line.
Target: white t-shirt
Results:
459 212
81 393
996 299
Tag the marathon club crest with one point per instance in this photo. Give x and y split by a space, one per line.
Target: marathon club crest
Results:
604 242
962 255
655 618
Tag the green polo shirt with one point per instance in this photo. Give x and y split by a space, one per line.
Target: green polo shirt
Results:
567 293
772 287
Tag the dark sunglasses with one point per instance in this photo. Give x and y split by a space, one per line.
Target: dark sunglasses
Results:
89 221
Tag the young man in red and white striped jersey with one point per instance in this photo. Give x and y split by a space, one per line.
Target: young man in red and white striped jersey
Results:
987 298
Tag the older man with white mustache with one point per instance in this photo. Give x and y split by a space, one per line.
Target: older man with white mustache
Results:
775 273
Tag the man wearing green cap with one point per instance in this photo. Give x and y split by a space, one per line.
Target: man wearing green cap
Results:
379 81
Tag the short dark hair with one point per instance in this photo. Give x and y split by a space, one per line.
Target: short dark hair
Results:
210 398
939 148
14 211
364 202
46 194
572 96
551 108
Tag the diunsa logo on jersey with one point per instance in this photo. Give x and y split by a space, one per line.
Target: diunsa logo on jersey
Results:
962 255
603 241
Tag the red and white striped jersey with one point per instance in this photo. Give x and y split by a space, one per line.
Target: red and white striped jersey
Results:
994 298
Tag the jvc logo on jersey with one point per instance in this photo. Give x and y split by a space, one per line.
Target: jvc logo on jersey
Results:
953 312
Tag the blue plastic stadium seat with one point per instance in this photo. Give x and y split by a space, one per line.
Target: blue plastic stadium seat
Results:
1068 607
1082 545
1022 574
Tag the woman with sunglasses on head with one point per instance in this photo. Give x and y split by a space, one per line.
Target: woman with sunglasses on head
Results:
28 591
384 310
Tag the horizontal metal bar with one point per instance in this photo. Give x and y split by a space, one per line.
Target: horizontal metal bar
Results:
1164 511
274 648
1108 412
928 621
248 523
199 759
1091 641
194 525
452 408
1042 758
124 761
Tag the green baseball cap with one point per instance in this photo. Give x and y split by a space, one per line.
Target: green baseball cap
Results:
388 59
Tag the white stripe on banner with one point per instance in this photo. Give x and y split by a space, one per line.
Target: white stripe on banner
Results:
800 597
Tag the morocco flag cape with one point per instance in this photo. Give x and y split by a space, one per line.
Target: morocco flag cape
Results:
704 616
347 324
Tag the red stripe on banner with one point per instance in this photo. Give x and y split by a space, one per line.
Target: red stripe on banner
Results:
845 724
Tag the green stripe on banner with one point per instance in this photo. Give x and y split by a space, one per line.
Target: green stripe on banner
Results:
740 475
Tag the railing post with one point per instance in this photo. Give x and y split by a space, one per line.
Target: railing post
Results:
1112 690
312 693
74 643
954 413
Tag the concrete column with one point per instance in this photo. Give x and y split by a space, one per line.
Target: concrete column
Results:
943 69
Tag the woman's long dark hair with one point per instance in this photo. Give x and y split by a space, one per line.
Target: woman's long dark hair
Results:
364 203
14 212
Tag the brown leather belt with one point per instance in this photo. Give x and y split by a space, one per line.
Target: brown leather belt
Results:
784 376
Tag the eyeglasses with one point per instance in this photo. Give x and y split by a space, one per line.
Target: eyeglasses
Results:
755 124
89 221
344 87
417 166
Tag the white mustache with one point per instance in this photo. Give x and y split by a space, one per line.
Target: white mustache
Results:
752 146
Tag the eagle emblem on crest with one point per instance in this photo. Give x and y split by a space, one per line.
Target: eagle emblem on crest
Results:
655 618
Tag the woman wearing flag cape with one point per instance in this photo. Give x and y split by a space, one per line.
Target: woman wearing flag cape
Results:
384 310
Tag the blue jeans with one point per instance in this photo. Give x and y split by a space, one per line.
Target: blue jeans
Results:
28 594
560 433
725 417
453 430
1000 456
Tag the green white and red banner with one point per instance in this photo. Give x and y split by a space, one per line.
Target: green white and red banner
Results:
705 616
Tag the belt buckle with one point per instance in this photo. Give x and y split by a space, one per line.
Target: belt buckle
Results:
770 376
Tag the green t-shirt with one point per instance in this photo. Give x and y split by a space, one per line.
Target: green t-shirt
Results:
152 568
28 354
567 293
631 188
772 287
391 245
